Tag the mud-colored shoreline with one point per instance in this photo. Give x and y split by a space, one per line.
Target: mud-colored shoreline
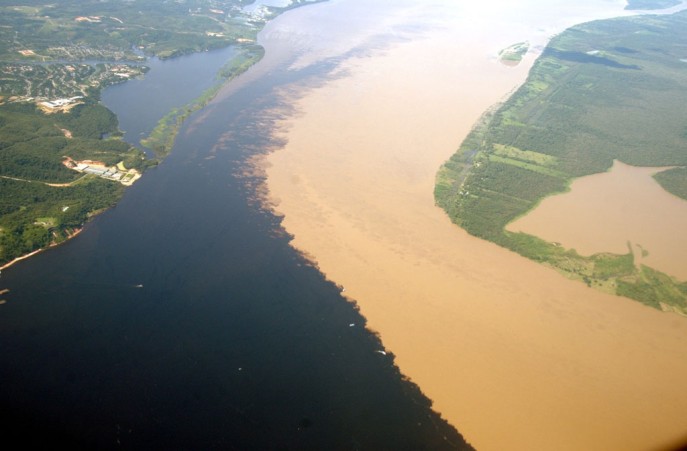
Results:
513 354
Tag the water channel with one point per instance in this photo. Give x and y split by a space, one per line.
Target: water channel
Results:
182 318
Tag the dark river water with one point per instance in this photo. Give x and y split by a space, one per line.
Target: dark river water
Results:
182 318
141 102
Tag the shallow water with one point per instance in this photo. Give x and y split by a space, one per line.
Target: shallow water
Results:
609 212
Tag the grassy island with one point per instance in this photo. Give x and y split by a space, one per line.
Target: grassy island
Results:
61 153
601 91
513 54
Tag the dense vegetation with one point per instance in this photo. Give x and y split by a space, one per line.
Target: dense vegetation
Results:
614 89
43 48
674 180
43 201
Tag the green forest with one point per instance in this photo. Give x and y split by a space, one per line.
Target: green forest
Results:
601 91
45 53
33 147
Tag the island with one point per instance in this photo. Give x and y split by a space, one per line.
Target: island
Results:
55 60
513 54
601 92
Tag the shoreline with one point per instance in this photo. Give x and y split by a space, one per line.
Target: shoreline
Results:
496 341
166 136
165 131
38 251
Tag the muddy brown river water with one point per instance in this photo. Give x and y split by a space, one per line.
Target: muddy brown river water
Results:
512 353
607 212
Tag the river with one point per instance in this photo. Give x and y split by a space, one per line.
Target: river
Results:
183 319
512 353
171 83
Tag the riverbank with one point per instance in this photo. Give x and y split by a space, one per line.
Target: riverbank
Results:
162 137
513 354
548 136
69 236
156 129
187 315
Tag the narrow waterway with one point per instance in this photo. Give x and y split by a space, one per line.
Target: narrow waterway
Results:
172 83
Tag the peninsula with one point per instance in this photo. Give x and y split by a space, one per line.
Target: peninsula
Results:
55 59
603 91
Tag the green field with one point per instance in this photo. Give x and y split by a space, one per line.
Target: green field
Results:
606 90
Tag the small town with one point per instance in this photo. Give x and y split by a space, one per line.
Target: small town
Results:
53 85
